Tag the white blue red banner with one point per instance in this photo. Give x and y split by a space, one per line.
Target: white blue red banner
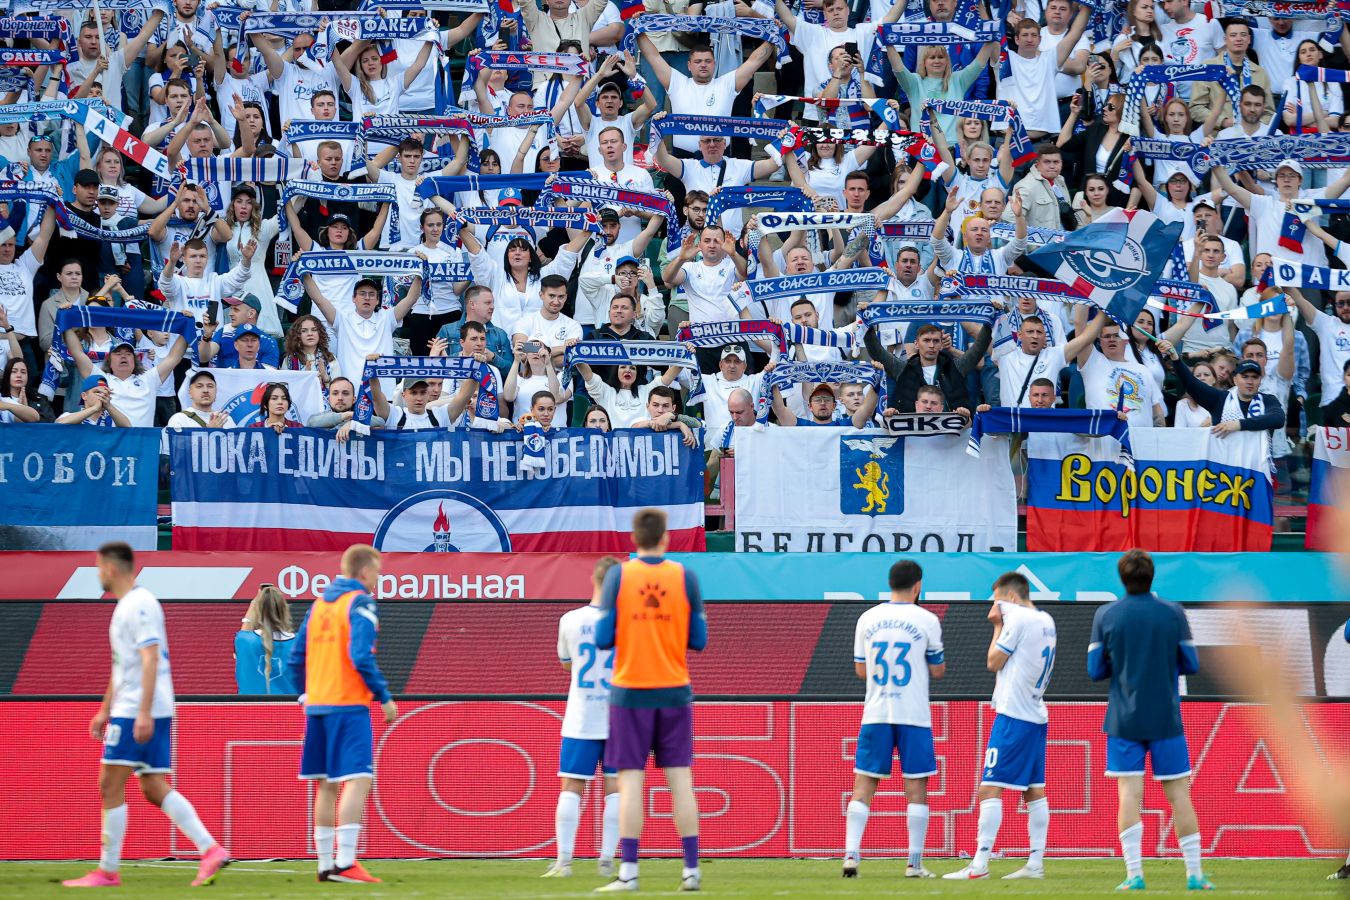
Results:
1189 490
1331 456
828 490
429 491
72 487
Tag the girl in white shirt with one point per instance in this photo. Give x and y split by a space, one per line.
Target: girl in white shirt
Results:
243 222
368 81
515 284
1189 413
623 395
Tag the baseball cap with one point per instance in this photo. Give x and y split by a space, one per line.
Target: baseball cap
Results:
410 383
93 381
108 192
1290 164
335 218
823 389
1248 366
6 234
626 260
248 300
118 345
364 281
509 197
733 350
609 213
87 178
199 375
246 330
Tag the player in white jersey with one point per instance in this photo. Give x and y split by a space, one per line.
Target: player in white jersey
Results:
1022 652
585 729
897 648
135 723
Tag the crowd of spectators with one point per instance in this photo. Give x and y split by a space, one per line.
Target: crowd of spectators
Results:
213 251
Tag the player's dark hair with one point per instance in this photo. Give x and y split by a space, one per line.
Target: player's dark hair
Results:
553 281
542 395
1014 583
119 552
1136 571
904 575
649 526
471 326
602 569
1043 382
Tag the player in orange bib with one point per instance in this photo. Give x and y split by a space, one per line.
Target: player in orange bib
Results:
334 662
651 613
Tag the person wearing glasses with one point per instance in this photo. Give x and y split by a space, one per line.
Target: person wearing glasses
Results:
263 644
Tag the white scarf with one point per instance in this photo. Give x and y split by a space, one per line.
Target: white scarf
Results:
1232 407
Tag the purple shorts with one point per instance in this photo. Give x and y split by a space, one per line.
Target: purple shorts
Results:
665 731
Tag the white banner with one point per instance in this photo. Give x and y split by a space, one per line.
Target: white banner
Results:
837 489
239 391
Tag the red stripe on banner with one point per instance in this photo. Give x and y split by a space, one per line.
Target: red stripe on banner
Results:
1162 531
273 539
1318 535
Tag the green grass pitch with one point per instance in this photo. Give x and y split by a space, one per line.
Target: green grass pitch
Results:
721 878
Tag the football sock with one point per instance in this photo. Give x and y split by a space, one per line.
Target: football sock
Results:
991 817
1130 840
916 818
854 826
179 810
1038 823
1347 859
609 831
1190 850
347 837
565 824
689 844
323 846
114 830
628 864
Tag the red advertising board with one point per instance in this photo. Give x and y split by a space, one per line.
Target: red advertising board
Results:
219 575
477 779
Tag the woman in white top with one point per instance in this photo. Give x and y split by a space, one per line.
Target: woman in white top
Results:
241 224
1141 30
531 373
439 304
1175 203
625 399
1090 204
1176 127
515 284
376 92
1317 104
1189 413
828 165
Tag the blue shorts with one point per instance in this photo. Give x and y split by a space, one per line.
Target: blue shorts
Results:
1015 758
877 741
154 757
578 757
1171 758
338 746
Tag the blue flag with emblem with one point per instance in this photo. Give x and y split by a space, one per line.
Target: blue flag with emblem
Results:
1114 262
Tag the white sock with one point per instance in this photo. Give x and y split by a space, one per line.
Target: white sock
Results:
347 838
609 828
180 811
323 846
114 830
1347 859
627 871
1038 823
854 824
1190 850
916 818
1130 840
991 817
565 825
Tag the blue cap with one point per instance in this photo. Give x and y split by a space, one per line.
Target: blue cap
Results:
625 260
249 328
1248 367
93 381
509 196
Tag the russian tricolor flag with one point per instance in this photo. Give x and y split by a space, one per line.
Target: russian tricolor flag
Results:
1331 457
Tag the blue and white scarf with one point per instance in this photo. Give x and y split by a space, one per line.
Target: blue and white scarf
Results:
273 170
1095 422
448 186
833 281
913 231
1315 151
299 130
836 105
372 263
454 368
717 126
599 193
1007 231
529 218
562 63
1134 91
1042 290
770 30
290 25
711 335
633 353
987 111
44 28
843 339
785 375
329 191
1292 273
889 313
121 321
898 34
349 27
31 192
741 196
461 6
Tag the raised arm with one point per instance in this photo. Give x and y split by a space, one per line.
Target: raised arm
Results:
660 67
745 72
1235 190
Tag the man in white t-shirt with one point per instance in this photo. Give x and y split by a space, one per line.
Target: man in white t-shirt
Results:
699 93
1113 380
547 325
613 170
17 274
403 226
296 73
817 41
1204 270
706 283
1332 328
897 650
600 263
718 388
1058 17
1188 37
713 169
1232 269
134 388
1023 361
362 327
1032 85
195 290
414 415
1267 212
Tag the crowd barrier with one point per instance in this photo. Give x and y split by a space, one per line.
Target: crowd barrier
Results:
798 490
772 776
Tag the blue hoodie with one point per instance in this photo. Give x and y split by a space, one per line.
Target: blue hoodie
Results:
364 618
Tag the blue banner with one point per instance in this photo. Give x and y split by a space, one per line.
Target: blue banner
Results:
74 487
569 490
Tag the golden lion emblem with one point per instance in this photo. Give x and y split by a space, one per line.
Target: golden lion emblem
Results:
877 485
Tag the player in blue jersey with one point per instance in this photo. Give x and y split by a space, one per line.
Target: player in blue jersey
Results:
1022 652
897 648
585 728
1143 644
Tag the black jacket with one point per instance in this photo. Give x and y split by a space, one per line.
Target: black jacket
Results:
1213 399
906 375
